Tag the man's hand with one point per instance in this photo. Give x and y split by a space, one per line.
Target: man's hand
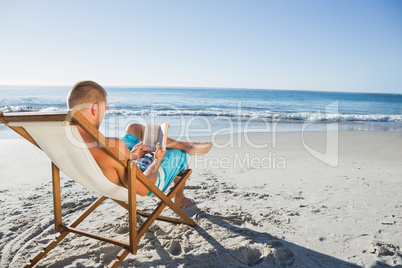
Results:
137 151
159 154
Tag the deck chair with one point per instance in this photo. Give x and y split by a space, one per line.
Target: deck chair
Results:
57 135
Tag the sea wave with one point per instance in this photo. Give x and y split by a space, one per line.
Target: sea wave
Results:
23 108
262 115
266 115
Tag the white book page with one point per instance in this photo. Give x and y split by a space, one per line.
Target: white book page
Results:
151 137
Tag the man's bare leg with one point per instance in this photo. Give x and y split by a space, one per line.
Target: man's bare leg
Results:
192 148
179 198
196 148
136 130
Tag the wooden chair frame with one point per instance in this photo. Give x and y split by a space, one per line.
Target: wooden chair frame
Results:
134 174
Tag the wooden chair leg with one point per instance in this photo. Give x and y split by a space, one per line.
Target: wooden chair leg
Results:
57 218
187 220
56 197
132 207
119 258
64 233
46 249
166 201
145 214
173 192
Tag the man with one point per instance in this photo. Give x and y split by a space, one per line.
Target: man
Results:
91 99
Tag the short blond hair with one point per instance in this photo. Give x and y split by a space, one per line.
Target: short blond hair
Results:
86 92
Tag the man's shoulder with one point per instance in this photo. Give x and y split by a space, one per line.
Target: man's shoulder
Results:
118 143
101 155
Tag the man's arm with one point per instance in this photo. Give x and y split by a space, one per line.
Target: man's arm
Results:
152 170
151 173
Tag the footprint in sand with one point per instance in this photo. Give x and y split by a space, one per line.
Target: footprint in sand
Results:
175 248
282 254
248 256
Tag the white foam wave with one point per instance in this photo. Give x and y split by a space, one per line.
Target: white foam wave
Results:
22 108
264 115
267 115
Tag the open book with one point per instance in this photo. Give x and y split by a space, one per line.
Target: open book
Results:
154 134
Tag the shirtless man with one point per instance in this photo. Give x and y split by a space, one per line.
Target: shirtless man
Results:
91 99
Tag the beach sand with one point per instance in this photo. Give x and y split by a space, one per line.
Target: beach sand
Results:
265 207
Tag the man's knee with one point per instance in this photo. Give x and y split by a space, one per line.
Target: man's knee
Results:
134 127
136 130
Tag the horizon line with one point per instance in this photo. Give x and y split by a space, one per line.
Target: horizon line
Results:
198 87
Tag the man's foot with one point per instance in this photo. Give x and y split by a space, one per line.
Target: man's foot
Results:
199 148
185 202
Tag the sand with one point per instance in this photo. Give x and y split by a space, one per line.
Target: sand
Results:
276 206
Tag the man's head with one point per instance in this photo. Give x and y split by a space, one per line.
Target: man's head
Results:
90 99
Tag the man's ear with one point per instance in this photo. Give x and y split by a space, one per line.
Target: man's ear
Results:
95 109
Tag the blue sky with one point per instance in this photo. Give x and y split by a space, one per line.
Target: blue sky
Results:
338 45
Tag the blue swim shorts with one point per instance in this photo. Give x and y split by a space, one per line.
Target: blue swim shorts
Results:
173 162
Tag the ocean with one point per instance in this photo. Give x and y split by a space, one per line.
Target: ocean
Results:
215 111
